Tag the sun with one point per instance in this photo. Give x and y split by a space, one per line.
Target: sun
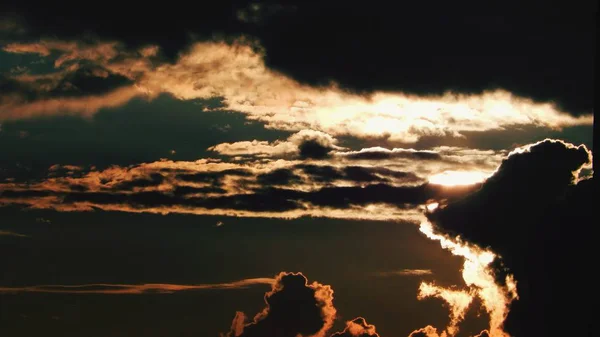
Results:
458 178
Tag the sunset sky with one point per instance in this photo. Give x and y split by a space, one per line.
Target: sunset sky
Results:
284 169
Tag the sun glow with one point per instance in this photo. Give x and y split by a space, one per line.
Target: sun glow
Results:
458 178
480 280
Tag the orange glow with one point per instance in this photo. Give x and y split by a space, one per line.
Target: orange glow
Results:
458 178
479 277
120 289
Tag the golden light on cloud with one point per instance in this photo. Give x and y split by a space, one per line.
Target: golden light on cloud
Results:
238 74
479 277
458 178
457 300
433 206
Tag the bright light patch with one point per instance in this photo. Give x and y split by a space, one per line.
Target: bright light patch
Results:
433 206
458 178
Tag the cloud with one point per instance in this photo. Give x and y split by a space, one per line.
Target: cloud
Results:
407 272
263 187
534 211
11 233
293 308
237 73
87 77
283 103
427 331
375 153
304 144
458 301
357 327
364 58
123 289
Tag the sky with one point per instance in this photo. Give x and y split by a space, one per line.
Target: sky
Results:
285 169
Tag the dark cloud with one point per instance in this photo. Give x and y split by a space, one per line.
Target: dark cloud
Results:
212 177
321 173
419 48
183 190
533 214
277 190
266 199
379 153
361 174
88 80
278 177
153 179
314 144
328 174
293 308
313 149
84 80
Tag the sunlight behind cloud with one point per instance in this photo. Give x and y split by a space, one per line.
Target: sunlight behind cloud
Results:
237 73
458 178
479 277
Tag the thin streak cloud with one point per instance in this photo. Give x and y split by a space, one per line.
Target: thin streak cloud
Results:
407 272
11 233
123 289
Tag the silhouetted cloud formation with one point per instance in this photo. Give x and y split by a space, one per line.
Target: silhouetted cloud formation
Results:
536 214
494 41
293 308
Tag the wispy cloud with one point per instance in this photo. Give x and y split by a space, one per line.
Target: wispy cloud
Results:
11 233
122 289
407 272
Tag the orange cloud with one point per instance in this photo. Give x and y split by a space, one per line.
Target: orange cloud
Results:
357 327
408 272
11 233
122 289
15 108
479 276
458 301
237 73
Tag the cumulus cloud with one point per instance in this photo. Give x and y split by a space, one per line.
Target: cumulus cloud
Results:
533 212
294 308
237 73
305 144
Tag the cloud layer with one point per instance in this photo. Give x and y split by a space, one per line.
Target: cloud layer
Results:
534 211
283 184
237 73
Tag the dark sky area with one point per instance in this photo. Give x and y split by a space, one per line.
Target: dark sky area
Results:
289 168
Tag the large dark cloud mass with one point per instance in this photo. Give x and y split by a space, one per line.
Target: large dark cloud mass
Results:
531 48
294 308
534 214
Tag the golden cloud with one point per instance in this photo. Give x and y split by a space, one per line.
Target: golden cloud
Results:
237 73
